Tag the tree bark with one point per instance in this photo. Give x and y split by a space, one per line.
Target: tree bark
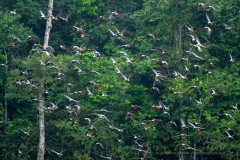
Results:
41 104
194 153
41 100
49 23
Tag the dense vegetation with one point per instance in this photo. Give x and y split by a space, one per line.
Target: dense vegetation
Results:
129 79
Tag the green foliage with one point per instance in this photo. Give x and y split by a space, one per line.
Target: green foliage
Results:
190 98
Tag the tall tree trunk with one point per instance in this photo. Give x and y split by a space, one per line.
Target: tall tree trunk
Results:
194 153
41 104
5 90
180 36
41 100
49 23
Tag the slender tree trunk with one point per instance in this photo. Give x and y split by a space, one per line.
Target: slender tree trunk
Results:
41 100
5 90
41 104
180 36
49 23
194 152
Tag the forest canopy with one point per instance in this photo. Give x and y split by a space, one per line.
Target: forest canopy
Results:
127 80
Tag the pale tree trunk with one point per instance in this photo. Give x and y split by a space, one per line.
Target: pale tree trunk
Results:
49 23
41 105
194 153
41 100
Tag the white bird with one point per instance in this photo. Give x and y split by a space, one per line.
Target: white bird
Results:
120 34
125 78
165 62
145 56
114 14
68 107
197 46
190 29
42 15
165 112
2 64
193 37
128 60
209 21
183 124
75 61
229 115
54 106
209 31
115 128
231 58
194 54
119 130
100 144
198 42
58 153
54 18
89 92
13 12
47 54
135 137
178 92
191 148
20 152
79 70
182 76
235 107
155 89
70 99
227 27
88 120
109 158
201 5
139 145
63 47
96 54
126 46
79 29
78 109
157 74
195 127
211 7
103 117
104 94
110 126
96 72
125 54
76 48
112 33
186 68
151 35
199 102
64 18
26 132
119 140
214 93
118 70
102 110
113 61
173 123
185 59
229 135
140 150
197 66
